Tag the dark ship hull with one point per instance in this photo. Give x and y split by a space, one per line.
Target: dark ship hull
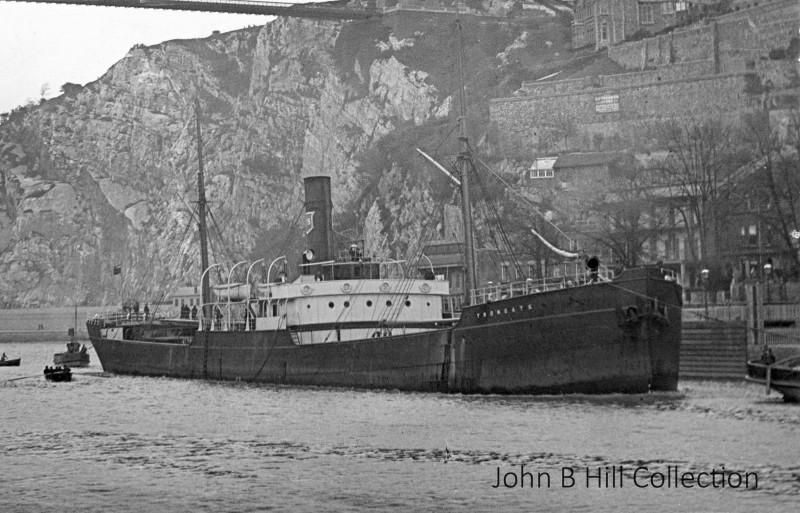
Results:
72 359
610 337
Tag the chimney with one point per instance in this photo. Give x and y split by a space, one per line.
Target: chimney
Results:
318 221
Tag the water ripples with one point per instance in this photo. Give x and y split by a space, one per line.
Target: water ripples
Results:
154 444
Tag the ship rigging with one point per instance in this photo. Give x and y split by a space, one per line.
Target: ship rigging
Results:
353 322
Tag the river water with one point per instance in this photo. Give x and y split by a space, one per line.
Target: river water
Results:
117 443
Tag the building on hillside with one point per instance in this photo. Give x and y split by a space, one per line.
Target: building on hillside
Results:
188 296
733 64
601 23
619 219
571 181
443 259
754 240
542 169
585 199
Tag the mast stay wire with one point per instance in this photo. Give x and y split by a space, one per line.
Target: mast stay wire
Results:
527 202
495 215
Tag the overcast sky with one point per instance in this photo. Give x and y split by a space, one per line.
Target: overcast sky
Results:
53 44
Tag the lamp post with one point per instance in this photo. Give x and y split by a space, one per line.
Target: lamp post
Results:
704 277
758 230
796 241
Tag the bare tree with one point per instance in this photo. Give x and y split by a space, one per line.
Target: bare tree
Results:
776 176
702 156
628 211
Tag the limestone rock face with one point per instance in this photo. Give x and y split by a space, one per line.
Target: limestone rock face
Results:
106 174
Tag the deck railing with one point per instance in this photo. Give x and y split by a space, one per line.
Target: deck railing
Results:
499 291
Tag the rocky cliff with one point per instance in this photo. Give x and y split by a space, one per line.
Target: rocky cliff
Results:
105 174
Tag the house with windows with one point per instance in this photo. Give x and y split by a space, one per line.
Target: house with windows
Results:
601 23
542 168
578 186
188 296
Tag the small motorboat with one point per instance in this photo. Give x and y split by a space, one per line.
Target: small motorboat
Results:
57 374
76 356
782 376
5 362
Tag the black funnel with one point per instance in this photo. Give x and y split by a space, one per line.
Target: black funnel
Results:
318 224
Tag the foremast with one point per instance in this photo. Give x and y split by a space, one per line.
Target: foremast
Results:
201 217
464 163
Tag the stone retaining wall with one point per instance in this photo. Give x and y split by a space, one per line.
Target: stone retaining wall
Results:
717 70
525 121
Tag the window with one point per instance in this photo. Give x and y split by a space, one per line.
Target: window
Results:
603 31
541 173
603 8
668 8
645 14
543 168
504 273
752 233
671 247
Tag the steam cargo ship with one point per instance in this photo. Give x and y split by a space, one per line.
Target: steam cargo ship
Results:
348 321
354 322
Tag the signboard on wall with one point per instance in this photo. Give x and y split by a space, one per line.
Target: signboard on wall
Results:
606 103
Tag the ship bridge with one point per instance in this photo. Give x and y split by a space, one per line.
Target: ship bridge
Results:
317 10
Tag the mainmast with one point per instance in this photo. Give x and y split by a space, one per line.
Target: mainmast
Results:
464 163
201 215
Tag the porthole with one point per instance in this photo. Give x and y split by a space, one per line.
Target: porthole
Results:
308 306
388 303
347 304
330 305
408 303
369 303
491 313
